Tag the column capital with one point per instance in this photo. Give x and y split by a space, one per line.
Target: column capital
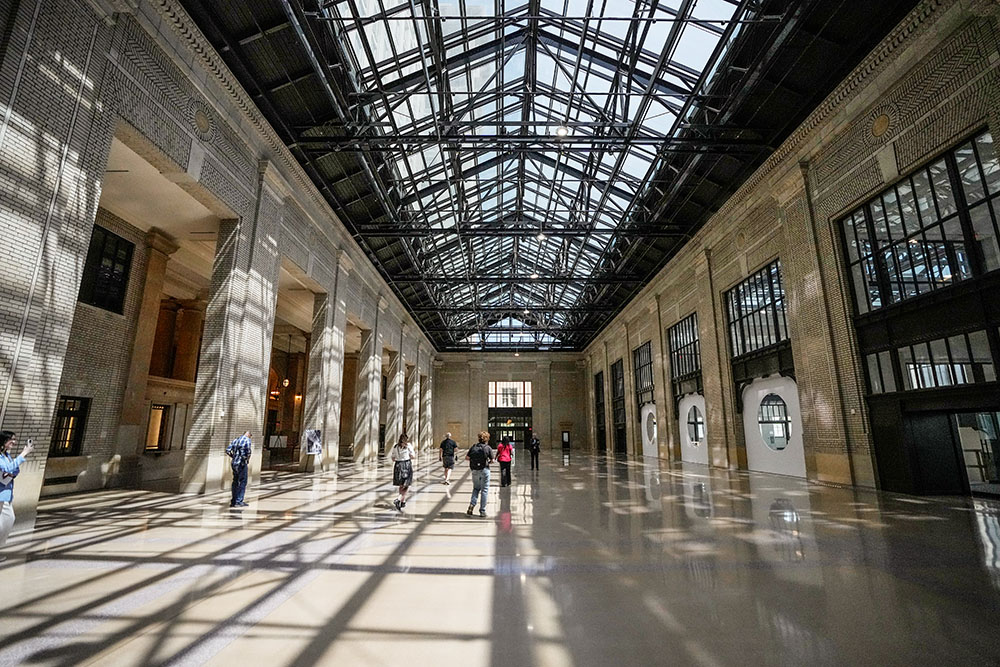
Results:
477 364
344 261
544 364
437 363
383 303
161 242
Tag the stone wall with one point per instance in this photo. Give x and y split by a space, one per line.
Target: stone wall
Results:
932 81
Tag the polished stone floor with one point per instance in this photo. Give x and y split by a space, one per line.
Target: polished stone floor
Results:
586 562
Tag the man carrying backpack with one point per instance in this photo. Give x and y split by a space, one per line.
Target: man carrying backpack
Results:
480 457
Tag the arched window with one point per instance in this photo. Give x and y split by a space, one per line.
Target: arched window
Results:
696 426
775 426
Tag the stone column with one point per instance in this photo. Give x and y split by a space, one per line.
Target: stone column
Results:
425 410
394 400
412 402
324 390
131 438
715 370
633 437
187 339
231 387
364 400
477 396
663 391
541 411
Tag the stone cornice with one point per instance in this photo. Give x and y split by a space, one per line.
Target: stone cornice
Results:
882 57
871 67
174 17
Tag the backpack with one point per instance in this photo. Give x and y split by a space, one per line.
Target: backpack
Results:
477 456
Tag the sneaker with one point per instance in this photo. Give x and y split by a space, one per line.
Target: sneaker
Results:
395 503
482 512
243 504
468 512
402 504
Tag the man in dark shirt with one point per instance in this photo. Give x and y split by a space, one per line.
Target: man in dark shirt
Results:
447 456
534 447
239 451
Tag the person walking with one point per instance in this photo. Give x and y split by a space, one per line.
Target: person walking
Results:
505 454
402 469
534 447
480 457
9 468
239 451
446 456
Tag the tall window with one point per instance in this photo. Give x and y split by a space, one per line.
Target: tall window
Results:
599 400
642 362
105 275
618 393
70 422
509 395
932 229
685 349
756 311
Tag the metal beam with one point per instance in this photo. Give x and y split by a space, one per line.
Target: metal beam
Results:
419 232
625 281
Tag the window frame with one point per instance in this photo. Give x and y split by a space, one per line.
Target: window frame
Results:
764 326
642 374
964 258
685 348
107 292
75 443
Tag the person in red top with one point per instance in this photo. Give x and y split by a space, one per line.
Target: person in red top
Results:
505 452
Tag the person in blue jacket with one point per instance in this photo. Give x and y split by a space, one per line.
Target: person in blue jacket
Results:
239 451
9 468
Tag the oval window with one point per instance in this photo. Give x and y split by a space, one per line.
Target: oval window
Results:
696 426
775 426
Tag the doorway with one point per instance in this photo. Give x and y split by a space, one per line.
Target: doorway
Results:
509 413
979 441
955 453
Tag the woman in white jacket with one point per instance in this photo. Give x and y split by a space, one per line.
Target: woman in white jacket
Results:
9 468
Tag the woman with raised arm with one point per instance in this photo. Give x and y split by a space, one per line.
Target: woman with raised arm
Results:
9 468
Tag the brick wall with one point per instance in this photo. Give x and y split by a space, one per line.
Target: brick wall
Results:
98 356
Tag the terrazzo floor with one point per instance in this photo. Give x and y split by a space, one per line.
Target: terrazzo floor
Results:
589 561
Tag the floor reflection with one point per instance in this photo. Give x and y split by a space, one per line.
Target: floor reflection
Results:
588 561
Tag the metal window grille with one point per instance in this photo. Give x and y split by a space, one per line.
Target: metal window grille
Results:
934 228
756 311
642 363
685 347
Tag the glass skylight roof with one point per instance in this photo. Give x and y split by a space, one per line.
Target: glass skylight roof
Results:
503 120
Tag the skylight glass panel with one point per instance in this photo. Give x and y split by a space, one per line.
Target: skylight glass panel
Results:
468 78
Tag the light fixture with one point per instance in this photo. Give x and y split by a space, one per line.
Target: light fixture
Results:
541 236
525 311
562 131
517 354
534 276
